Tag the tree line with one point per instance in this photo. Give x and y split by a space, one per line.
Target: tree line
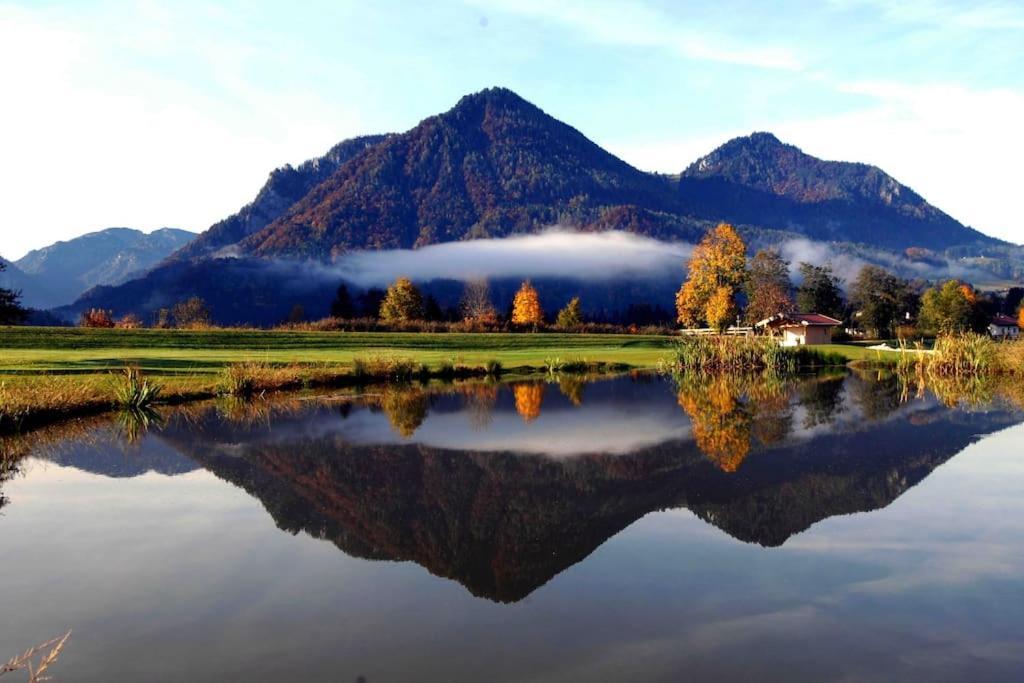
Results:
723 288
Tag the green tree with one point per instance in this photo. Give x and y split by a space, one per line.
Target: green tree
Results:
881 300
769 290
947 308
342 306
820 291
571 315
716 273
11 310
402 302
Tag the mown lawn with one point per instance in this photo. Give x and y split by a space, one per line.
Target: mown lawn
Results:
86 351
76 350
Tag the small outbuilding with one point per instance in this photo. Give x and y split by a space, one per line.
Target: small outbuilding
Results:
1004 327
800 329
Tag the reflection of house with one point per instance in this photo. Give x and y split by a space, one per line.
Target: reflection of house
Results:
1004 327
800 329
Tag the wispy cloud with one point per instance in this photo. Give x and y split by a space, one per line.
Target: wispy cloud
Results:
638 25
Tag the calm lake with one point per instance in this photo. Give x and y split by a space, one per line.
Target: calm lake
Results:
832 528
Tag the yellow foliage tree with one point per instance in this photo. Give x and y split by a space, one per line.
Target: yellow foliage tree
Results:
526 308
528 398
717 271
1020 316
402 302
721 308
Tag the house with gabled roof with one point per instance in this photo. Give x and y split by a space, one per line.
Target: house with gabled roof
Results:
1004 327
800 329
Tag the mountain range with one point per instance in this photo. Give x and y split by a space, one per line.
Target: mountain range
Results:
496 166
60 273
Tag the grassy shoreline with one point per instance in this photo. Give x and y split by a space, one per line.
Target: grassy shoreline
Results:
49 374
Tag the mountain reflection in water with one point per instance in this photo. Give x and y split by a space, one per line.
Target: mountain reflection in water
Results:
502 487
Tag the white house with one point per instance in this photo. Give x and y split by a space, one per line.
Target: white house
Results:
800 329
1004 327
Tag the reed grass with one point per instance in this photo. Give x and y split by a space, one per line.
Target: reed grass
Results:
746 354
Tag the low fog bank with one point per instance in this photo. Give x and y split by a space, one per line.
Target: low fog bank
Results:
618 276
847 265
556 253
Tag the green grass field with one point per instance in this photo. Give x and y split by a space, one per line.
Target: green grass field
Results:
47 373
78 350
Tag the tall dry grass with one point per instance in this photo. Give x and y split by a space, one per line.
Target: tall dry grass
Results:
36 661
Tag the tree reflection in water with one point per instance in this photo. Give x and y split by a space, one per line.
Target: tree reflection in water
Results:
405 408
528 397
728 412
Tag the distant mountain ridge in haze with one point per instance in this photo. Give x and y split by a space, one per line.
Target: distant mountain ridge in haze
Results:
61 272
496 165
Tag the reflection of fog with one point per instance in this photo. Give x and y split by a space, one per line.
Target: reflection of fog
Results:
589 429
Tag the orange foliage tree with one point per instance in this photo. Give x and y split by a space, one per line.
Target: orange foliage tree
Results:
717 271
526 308
97 317
1020 316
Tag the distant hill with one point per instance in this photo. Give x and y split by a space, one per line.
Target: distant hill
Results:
495 165
61 272
759 180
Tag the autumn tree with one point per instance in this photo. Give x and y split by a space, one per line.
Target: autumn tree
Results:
571 315
129 321
402 302
96 317
11 310
769 290
476 305
191 313
717 271
342 306
820 291
1020 316
526 308
947 308
881 300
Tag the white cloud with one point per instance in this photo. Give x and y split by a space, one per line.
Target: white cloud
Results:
636 25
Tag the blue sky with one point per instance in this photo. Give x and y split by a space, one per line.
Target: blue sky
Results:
146 114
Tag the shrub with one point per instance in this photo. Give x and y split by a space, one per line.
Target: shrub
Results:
129 321
384 367
493 368
718 353
240 379
133 391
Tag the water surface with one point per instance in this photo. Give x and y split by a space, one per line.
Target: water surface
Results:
627 529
